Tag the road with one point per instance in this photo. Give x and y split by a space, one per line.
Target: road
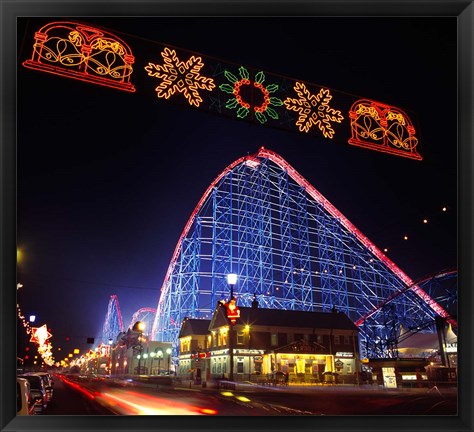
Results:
102 397
71 401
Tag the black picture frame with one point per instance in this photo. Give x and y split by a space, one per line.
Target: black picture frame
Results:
464 10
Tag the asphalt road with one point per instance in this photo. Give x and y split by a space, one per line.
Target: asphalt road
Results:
70 401
102 398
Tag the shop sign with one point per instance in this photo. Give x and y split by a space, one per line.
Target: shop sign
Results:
345 354
452 347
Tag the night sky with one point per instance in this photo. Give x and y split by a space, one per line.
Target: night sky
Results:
107 179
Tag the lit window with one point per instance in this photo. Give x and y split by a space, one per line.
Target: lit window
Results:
274 339
240 338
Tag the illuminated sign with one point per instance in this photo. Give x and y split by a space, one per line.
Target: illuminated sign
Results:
452 347
233 311
180 77
91 54
344 354
382 127
84 53
260 102
314 110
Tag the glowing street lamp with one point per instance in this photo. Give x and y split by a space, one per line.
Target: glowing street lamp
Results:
159 354
140 326
231 281
168 351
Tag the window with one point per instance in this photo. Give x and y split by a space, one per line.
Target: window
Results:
185 345
240 338
240 366
274 339
222 338
336 340
347 340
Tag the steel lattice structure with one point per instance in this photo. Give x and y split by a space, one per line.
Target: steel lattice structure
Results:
288 245
146 315
113 324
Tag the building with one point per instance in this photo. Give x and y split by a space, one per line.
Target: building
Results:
309 347
131 355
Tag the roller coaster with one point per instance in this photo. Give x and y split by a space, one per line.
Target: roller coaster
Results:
292 249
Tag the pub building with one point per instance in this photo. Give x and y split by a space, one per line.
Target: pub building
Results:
308 347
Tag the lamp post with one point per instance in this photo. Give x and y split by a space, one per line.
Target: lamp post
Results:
152 355
231 281
159 354
110 356
140 326
247 331
168 351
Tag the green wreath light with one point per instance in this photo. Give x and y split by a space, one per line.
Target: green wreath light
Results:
235 88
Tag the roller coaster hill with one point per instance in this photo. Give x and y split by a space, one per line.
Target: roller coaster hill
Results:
292 249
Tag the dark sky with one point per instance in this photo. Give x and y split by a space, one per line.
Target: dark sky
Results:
107 179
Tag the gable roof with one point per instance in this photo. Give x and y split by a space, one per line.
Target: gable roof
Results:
287 318
193 326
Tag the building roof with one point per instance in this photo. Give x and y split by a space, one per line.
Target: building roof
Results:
192 326
412 342
292 318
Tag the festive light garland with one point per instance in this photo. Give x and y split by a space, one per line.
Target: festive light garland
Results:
39 336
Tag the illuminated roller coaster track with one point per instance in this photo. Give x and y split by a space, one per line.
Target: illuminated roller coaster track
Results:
289 246
113 324
146 315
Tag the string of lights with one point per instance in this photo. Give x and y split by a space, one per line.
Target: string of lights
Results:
39 335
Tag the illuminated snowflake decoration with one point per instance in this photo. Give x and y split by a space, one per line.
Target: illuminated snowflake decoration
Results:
180 77
314 110
236 87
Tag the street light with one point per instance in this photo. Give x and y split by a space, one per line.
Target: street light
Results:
152 355
231 281
110 355
168 351
159 354
140 326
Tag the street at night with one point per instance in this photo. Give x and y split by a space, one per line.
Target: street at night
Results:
75 396
236 216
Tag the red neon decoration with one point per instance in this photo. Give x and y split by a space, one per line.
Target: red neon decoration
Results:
84 53
233 311
383 128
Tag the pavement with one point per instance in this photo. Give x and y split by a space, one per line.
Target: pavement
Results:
312 388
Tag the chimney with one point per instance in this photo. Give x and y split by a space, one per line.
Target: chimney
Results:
254 302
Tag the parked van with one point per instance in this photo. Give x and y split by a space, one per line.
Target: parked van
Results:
25 404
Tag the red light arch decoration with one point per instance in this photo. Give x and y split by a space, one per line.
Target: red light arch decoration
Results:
84 53
382 127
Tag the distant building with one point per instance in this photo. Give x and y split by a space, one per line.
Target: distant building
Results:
305 345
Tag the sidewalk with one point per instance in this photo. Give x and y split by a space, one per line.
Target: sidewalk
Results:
248 386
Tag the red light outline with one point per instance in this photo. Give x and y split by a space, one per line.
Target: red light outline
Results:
95 42
382 114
